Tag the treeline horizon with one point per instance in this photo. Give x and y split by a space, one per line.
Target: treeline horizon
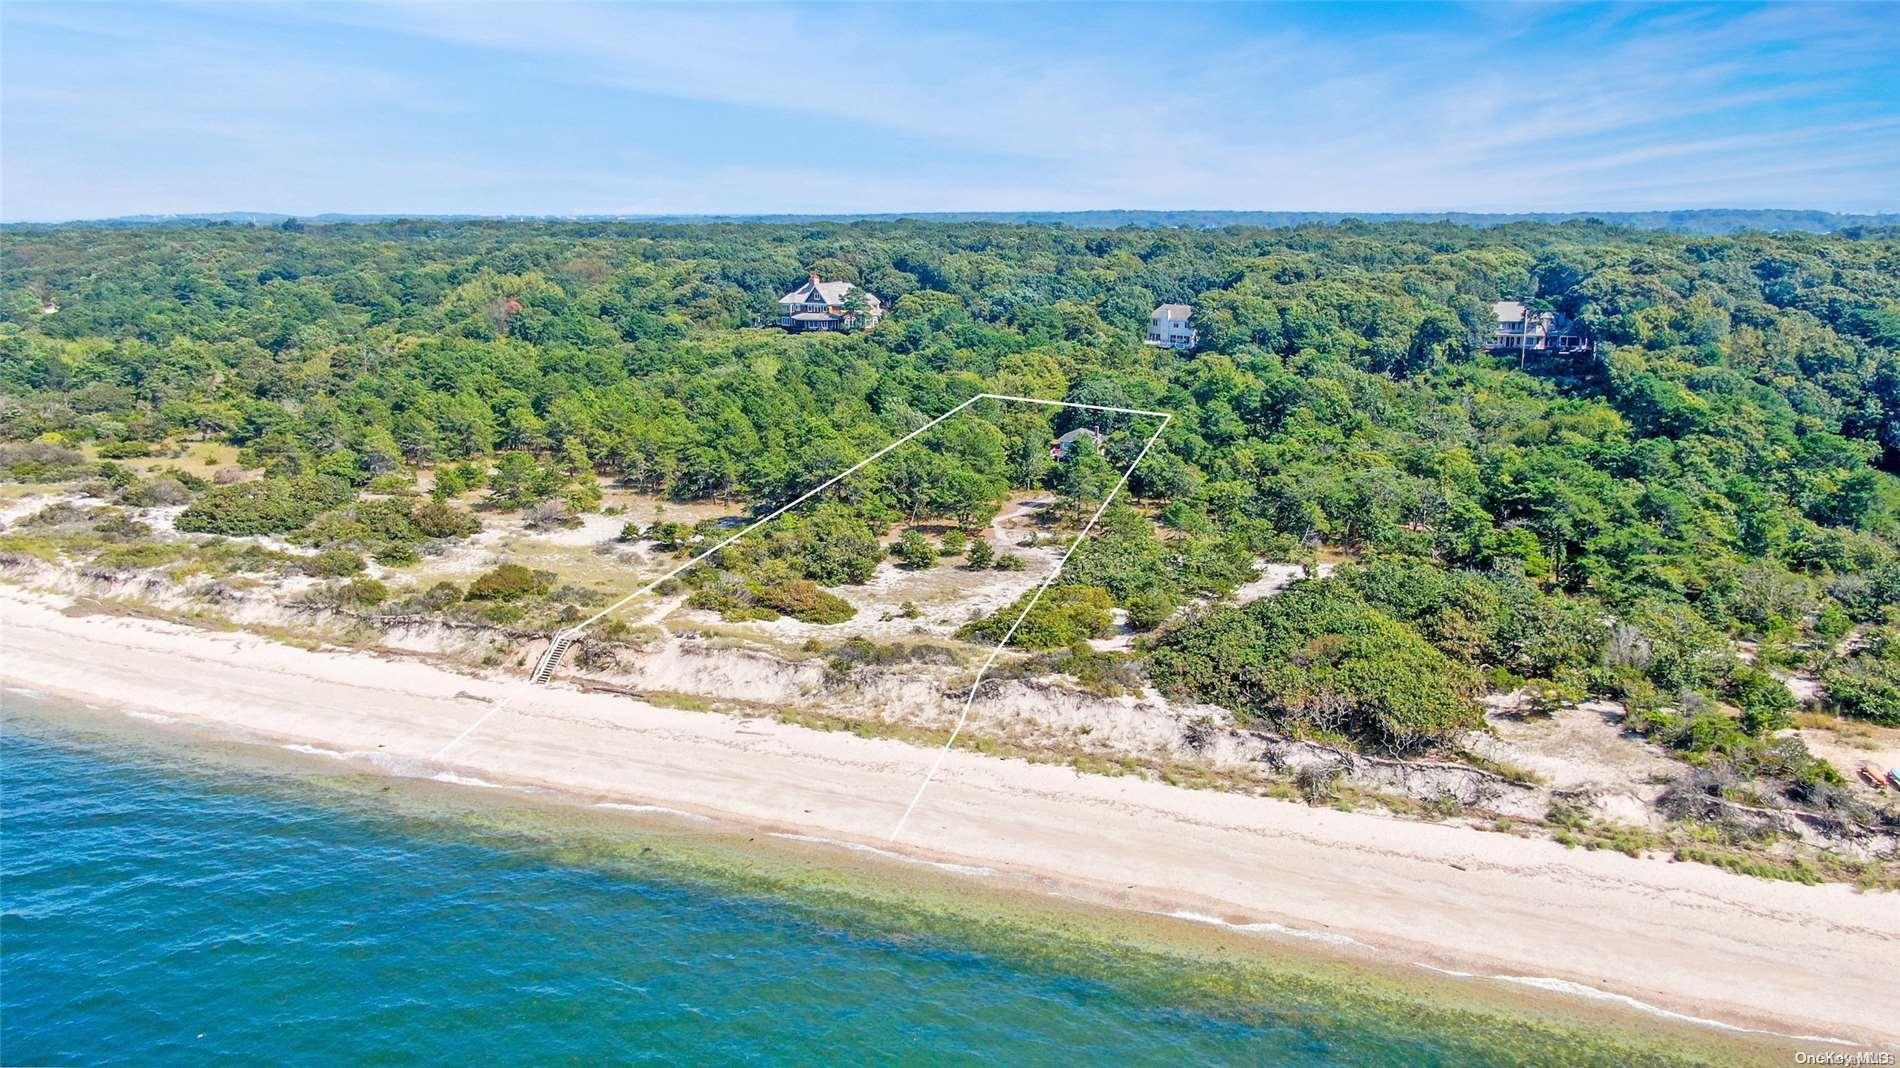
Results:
1681 220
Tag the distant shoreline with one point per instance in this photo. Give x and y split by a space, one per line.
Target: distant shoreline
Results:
1681 938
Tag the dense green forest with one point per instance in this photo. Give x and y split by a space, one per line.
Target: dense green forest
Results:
1721 468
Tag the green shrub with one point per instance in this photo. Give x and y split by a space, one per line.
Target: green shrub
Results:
397 554
1062 617
833 546
334 563
1127 559
1148 609
392 483
667 536
449 482
390 529
1703 732
1766 703
734 602
1106 674
155 493
1483 619
861 652
953 543
1710 738
804 600
1319 656
1867 684
502 613
1683 651
568 593
980 555
364 592
509 582
117 476
914 551
266 506
363 525
434 519
120 527
434 599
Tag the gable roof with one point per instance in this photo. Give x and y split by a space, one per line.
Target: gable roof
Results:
1177 312
1084 432
828 293
1512 311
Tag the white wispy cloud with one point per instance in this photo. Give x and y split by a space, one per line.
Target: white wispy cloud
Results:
696 108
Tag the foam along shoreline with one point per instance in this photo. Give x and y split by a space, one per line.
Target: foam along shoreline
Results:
1689 941
1590 993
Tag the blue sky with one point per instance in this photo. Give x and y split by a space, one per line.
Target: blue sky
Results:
828 107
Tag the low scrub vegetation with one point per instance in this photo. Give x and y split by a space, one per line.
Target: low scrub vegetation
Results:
509 582
1063 616
1319 657
739 600
266 506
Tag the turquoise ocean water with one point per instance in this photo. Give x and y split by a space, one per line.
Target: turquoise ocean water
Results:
157 910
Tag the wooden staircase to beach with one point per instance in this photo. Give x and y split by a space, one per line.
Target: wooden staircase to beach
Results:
557 650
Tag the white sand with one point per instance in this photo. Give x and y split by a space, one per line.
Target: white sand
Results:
1686 938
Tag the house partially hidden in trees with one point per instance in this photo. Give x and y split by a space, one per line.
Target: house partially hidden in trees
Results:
1521 330
1059 448
1168 327
821 305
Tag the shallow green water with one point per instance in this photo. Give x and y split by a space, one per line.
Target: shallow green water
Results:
160 910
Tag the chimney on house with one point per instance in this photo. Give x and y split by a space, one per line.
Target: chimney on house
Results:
814 278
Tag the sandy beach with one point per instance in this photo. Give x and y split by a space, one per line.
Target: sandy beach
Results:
1682 938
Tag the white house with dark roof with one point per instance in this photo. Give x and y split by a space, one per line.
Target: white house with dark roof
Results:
1168 327
821 305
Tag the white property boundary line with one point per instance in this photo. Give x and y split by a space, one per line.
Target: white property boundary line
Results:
574 631
1024 614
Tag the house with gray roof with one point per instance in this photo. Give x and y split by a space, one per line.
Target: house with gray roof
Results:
822 305
1168 327
1059 448
1521 330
